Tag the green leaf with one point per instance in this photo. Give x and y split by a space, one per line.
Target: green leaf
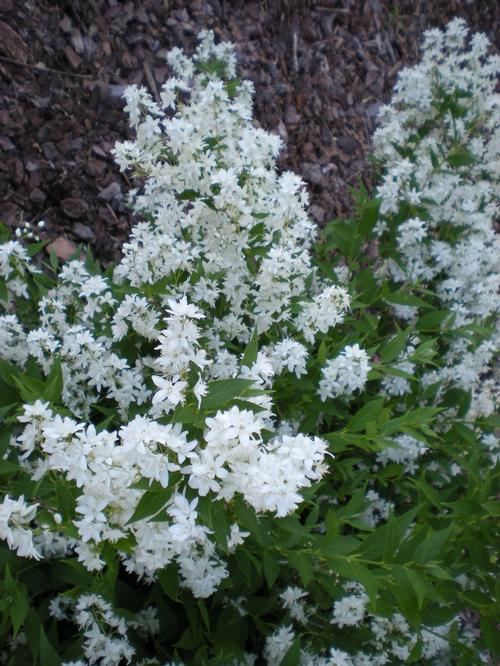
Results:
302 563
369 216
65 498
418 585
35 248
393 348
416 417
18 606
354 507
392 538
431 321
54 383
188 195
322 352
461 157
250 355
427 490
169 581
402 298
368 413
271 568
8 373
54 261
342 545
18 610
9 582
432 545
489 630
222 391
214 513
31 389
204 614
8 468
152 502
48 655
292 656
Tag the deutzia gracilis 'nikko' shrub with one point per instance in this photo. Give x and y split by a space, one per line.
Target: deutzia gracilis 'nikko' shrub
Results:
439 145
224 450
225 251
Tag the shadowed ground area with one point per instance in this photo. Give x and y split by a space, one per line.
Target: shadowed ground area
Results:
321 70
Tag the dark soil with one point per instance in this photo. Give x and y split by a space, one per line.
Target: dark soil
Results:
321 69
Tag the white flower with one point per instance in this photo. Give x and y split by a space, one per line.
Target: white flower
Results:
345 374
236 537
15 518
170 390
350 610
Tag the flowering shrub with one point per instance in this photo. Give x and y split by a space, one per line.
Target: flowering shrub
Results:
439 143
226 449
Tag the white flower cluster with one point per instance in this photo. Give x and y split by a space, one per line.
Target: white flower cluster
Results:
16 517
105 640
386 640
15 266
292 601
74 321
222 254
350 611
220 220
278 644
106 465
235 459
345 374
405 450
378 509
439 143
391 637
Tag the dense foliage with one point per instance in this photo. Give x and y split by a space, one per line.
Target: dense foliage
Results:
245 444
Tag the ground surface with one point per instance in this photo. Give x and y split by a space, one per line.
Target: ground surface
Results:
321 70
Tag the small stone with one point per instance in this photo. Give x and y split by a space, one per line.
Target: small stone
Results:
63 248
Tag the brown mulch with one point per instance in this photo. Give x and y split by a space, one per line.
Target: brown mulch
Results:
321 69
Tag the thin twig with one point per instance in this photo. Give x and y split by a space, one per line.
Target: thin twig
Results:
49 70
295 58
152 83
112 213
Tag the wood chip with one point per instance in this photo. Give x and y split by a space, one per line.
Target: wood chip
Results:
12 44
74 207
73 58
